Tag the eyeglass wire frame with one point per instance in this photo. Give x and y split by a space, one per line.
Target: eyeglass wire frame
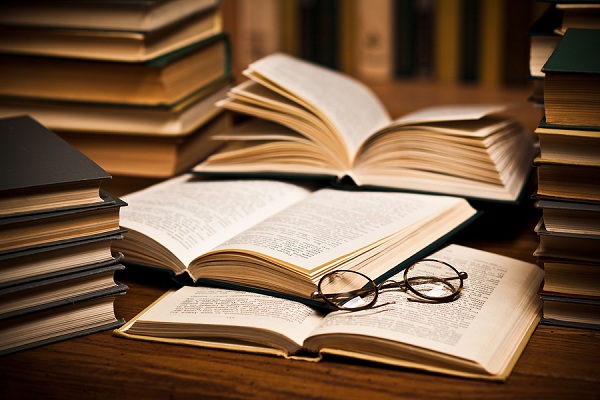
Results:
337 300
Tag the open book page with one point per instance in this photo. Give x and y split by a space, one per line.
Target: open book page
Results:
484 326
490 157
349 107
189 216
456 112
201 312
481 333
335 228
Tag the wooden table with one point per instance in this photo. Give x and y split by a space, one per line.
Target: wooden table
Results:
557 362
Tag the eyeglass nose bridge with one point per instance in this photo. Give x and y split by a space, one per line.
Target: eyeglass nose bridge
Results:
391 284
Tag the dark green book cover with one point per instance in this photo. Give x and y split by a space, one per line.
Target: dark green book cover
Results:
577 52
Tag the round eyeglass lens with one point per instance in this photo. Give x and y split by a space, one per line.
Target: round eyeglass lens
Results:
434 280
348 290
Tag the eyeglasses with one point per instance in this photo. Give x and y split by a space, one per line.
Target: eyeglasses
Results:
431 280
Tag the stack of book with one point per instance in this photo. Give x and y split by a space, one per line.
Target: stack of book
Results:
545 33
568 168
130 84
57 228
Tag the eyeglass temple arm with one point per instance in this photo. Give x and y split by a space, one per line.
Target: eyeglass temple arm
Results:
350 294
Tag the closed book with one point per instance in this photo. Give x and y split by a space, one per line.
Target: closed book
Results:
156 156
143 15
59 323
176 119
41 171
572 181
50 261
110 45
572 79
44 294
22 231
571 246
568 310
568 144
561 215
543 40
162 80
571 277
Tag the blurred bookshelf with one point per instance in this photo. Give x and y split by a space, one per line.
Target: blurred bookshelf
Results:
471 42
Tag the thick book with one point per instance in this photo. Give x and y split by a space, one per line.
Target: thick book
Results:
44 294
278 236
572 79
24 231
162 80
67 321
575 311
50 261
164 120
156 156
570 181
543 40
561 215
41 171
109 45
568 144
142 15
584 14
314 121
571 277
479 335
567 246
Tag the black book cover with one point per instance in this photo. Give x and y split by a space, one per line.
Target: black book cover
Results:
31 156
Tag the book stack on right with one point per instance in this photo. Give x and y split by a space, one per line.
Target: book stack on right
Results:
57 228
132 84
568 169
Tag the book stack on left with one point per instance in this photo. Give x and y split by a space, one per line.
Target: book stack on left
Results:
568 169
57 227
131 84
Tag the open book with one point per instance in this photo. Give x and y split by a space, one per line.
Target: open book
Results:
481 334
316 121
278 236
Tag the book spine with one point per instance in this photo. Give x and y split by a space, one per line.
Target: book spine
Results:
374 40
491 45
404 38
469 37
447 43
318 21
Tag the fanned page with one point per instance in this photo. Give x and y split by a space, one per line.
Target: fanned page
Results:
450 112
350 109
185 217
489 157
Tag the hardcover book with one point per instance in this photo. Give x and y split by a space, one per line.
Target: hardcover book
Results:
281 237
77 318
162 80
312 121
479 335
142 15
23 231
43 294
572 79
133 45
41 171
